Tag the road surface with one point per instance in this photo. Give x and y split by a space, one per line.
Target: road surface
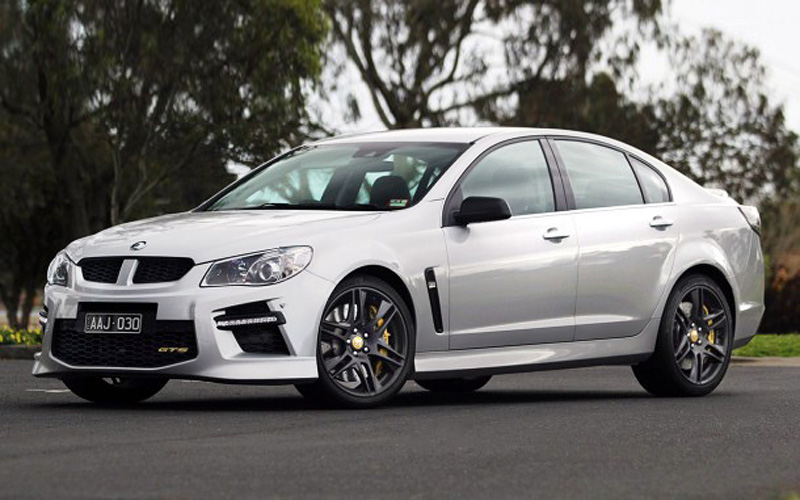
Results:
588 433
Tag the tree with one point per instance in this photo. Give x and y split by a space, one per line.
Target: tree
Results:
28 231
718 125
426 61
185 83
406 52
138 105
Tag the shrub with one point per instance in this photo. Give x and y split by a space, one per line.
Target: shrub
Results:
20 337
783 307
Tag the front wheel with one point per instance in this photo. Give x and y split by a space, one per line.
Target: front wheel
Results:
365 345
694 342
115 390
454 385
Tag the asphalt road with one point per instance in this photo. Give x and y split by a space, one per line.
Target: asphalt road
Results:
590 433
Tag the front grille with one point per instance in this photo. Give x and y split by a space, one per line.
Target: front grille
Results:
161 343
261 338
148 269
161 269
101 269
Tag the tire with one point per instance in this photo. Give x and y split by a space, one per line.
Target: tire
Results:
454 385
116 390
694 344
365 345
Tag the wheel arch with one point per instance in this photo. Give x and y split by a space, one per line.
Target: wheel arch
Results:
719 278
391 278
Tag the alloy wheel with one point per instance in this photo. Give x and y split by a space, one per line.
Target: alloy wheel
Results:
363 341
700 334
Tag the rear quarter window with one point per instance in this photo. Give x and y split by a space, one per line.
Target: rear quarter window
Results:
653 185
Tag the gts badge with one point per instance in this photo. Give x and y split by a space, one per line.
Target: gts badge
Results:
179 350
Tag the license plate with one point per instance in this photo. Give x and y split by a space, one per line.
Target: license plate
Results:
112 323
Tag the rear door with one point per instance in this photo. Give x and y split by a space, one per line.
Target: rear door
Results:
512 281
627 232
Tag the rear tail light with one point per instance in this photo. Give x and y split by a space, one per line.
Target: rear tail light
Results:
752 217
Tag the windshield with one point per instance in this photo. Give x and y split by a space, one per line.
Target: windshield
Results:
366 176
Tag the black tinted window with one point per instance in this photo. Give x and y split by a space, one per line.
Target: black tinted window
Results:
599 176
653 185
516 173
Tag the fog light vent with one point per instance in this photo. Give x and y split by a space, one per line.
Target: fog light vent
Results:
255 328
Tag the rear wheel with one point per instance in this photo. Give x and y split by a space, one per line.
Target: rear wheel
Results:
454 385
115 390
694 343
365 345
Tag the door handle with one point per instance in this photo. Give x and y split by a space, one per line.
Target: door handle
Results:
555 234
659 222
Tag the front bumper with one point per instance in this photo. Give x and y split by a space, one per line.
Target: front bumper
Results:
300 299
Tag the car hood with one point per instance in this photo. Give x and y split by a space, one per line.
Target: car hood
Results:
206 236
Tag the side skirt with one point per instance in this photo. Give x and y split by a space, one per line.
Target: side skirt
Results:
528 358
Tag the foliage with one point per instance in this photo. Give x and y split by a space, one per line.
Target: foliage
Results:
719 126
111 111
787 345
780 237
10 336
782 299
424 61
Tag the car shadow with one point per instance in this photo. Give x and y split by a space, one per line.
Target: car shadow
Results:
407 399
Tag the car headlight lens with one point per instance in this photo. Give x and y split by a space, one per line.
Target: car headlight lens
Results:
58 272
265 268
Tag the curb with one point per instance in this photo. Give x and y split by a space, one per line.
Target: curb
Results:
25 352
767 361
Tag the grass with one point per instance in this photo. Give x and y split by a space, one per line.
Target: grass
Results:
787 345
20 337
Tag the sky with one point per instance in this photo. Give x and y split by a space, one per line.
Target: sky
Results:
773 26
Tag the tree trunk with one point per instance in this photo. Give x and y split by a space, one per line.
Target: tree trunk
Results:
27 307
12 306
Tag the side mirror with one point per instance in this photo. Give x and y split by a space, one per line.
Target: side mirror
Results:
482 209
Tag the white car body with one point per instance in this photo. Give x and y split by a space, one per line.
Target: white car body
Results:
594 297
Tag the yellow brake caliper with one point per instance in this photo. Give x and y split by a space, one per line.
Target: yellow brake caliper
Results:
379 365
710 332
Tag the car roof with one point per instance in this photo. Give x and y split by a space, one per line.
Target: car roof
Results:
460 135
463 135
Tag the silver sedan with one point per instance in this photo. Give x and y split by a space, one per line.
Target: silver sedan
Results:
351 265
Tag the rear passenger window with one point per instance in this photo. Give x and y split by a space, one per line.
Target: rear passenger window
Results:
518 174
599 176
653 185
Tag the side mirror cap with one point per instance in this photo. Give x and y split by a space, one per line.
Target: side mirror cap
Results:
482 209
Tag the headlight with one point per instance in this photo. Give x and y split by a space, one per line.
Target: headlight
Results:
58 272
265 268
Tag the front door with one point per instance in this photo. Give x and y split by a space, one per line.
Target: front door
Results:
512 282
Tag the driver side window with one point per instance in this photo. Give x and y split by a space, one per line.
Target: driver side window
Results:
518 174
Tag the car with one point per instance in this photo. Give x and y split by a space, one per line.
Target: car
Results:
351 265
